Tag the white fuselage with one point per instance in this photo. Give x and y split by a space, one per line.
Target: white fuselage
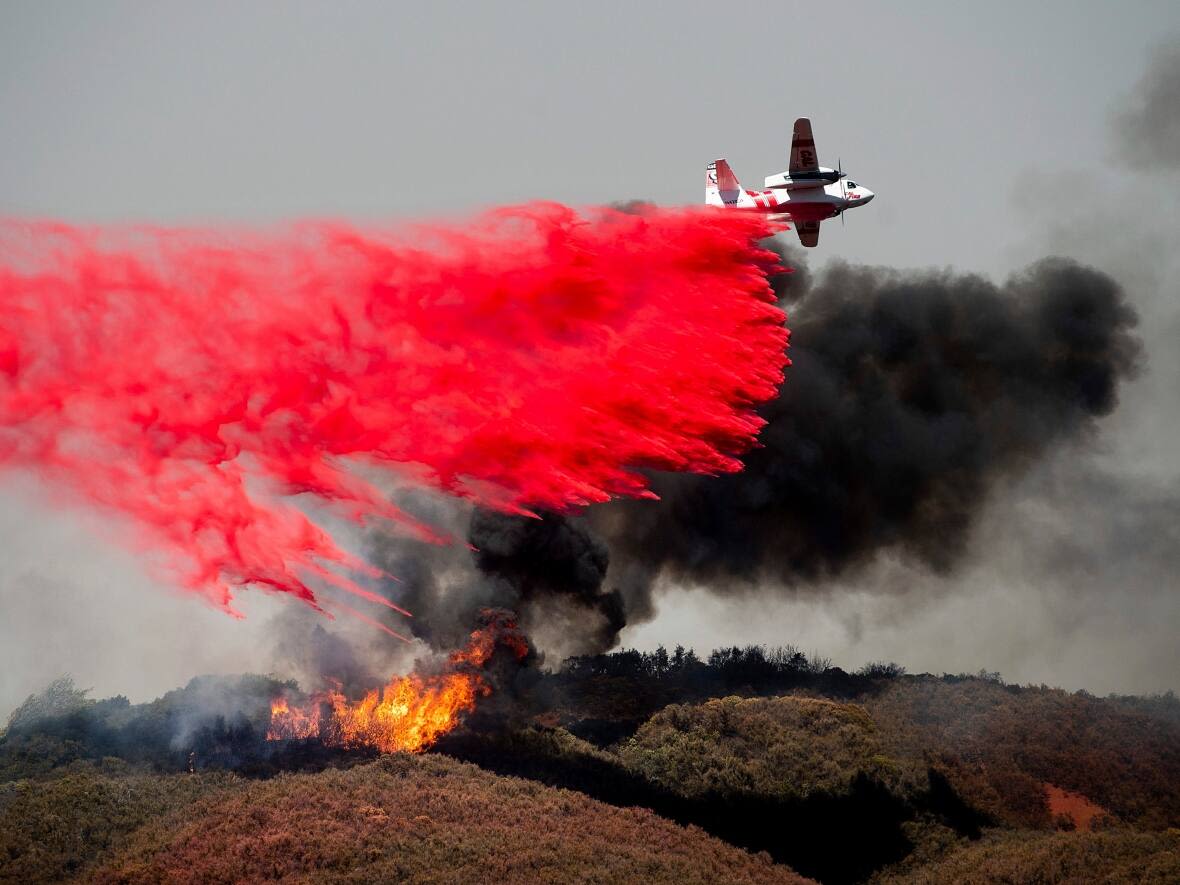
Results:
807 194
807 200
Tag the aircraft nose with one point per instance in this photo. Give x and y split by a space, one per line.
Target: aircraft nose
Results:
868 197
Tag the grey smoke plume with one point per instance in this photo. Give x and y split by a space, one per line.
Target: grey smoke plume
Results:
910 396
1148 128
311 653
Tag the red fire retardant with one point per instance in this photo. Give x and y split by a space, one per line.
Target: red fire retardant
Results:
187 383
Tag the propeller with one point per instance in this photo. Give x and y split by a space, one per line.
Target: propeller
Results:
840 171
839 168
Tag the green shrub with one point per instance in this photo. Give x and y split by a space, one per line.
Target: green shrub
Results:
787 747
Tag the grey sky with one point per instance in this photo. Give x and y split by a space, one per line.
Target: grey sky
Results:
214 111
982 128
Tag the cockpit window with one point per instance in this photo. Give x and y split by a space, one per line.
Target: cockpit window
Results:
851 184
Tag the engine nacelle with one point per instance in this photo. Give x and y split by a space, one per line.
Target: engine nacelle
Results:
821 176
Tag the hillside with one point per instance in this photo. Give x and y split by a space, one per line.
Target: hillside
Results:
53 828
996 744
750 766
1000 744
424 819
1022 856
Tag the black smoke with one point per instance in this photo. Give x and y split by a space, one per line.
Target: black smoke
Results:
911 395
549 570
551 566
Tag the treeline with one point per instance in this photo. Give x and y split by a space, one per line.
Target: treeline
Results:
752 662
211 723
605 697
752 666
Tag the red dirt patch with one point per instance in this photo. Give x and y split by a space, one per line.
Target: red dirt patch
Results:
1075 806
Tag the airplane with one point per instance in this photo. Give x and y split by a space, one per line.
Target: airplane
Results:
805 195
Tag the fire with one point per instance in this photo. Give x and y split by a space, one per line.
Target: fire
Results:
290 723
410 712
501 630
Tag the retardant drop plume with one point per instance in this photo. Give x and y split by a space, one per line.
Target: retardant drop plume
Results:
189 381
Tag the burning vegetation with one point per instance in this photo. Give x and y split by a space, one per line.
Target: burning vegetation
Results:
767 750
410 712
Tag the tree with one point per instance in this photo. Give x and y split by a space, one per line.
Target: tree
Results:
57 699
660 661
882 670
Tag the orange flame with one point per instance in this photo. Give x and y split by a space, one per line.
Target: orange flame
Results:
286 722
410 712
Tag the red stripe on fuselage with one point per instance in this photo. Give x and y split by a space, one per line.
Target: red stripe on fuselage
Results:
764 201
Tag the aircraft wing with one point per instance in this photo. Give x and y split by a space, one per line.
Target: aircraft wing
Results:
808 232
803 156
